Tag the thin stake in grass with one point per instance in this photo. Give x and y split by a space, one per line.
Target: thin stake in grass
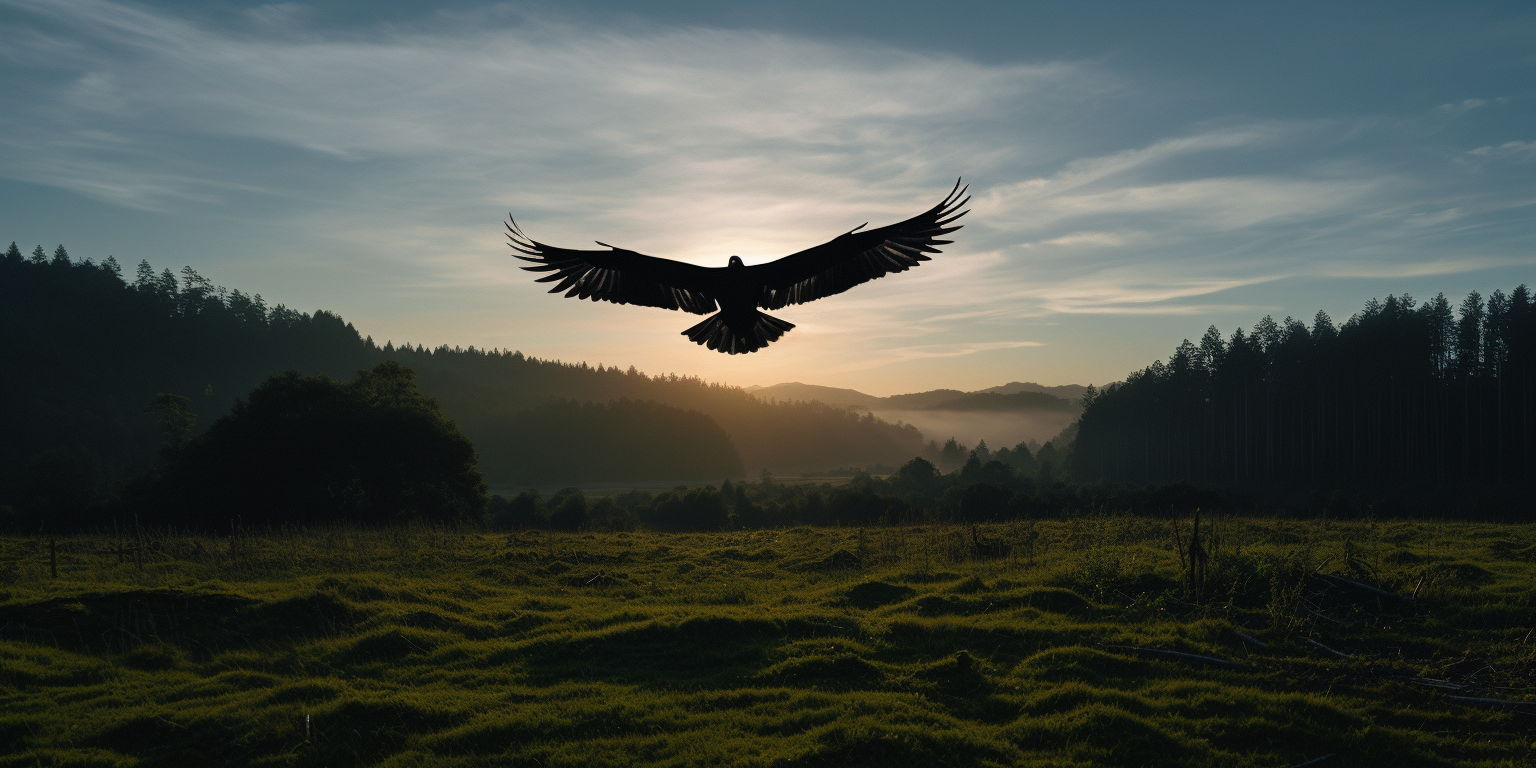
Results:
1197 564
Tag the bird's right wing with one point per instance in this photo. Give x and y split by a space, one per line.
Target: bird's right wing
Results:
858 257
617 275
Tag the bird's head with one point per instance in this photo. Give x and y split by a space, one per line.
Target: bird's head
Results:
736 263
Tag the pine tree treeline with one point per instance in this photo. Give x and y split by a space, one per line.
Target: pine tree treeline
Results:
1400 394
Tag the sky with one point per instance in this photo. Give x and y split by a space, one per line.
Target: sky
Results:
1139 171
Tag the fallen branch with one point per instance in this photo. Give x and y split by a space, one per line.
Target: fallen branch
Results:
1249 639
1428 683
1181 656
1314 761
1316 644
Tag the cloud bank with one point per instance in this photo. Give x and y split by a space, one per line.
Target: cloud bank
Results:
376 162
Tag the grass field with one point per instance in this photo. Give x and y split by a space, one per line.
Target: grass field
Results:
1054 643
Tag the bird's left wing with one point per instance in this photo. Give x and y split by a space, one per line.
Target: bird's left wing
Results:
618 275
858 257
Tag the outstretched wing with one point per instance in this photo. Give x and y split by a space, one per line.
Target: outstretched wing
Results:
617 275
858 257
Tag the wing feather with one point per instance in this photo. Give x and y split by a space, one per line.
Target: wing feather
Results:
858 257
617 275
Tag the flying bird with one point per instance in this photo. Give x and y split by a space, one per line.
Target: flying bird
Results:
734 293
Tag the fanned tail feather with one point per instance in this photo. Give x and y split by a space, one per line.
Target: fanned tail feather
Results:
721 336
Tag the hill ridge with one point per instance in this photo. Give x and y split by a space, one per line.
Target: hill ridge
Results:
1013 396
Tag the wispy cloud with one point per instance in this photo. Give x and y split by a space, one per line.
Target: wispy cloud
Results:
1514 150
894 355
1465 105
391 152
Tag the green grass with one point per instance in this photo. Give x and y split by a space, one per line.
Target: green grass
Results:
1013 644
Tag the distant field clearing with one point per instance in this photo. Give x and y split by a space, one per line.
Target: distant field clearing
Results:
1001 429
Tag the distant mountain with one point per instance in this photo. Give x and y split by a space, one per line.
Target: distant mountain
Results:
850 399
1015 396
920 401
1065 391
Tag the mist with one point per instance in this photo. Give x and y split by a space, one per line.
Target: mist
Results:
1001 429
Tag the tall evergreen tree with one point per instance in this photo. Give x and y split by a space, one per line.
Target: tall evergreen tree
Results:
1440 325
144 276
1322 327
1469 335
166 284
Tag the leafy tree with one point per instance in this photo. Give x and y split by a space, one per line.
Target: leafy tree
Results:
607 514
57 490
309 448
953 455
1020 459
688 509
174 413
919 474
520 512
983 501
568 510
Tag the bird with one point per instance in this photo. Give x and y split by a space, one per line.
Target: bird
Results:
733 295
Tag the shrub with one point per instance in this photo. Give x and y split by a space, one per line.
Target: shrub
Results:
309 448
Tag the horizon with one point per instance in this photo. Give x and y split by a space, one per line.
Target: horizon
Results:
1138 174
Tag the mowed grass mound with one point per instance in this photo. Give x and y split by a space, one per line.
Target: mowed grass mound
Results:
1066 643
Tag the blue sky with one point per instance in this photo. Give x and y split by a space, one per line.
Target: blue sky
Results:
1140 171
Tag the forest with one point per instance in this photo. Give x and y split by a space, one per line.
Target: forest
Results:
1401 395
1404 407
1401 401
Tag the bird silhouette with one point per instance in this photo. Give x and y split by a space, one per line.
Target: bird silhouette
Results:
735 292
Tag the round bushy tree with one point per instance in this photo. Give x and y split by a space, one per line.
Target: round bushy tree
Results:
310 448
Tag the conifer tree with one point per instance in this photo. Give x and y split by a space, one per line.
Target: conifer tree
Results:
1322 327
1469 335
1212 348
38 255
13 253
166 283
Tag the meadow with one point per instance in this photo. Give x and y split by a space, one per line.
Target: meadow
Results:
1104 641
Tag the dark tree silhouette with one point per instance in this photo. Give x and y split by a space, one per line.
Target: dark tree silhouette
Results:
177 421
309 448
1402 394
